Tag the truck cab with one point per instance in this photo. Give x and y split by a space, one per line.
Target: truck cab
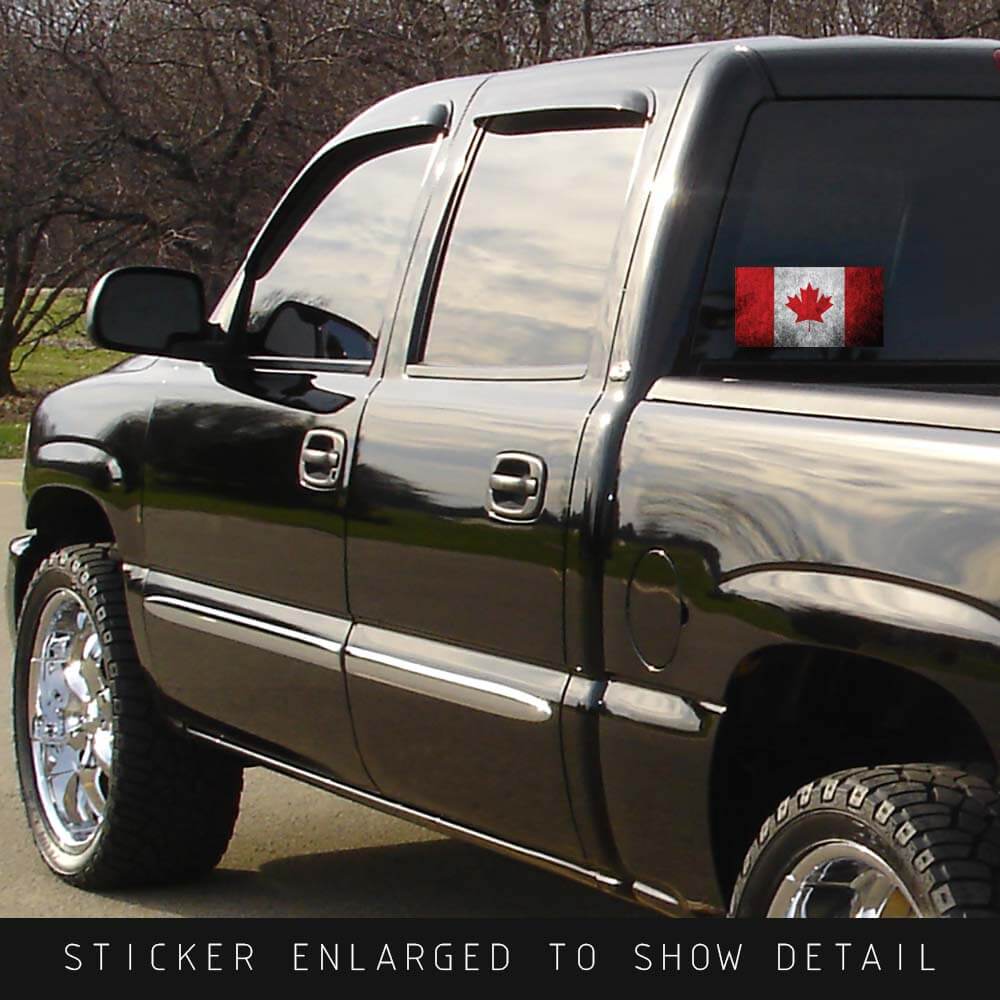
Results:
467 502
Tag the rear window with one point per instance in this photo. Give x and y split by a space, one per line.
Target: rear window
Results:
823 187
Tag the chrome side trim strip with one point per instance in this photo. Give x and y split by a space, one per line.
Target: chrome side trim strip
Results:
307 366
489 696
313 623
658 896
651 707
279 628
225 624
417 816
584 693
482 682
486 373
135 576
711 706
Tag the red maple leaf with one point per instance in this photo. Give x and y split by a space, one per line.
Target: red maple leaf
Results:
809 304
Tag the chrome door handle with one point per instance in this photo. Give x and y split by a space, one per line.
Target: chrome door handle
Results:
320 460
516 487
526 486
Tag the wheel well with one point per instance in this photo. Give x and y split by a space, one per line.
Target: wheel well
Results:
794 714
61 516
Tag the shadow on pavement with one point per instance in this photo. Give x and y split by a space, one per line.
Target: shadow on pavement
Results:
425 879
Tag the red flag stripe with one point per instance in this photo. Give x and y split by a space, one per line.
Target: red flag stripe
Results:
862 306
755 306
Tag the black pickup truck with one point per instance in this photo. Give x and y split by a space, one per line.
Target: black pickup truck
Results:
598 461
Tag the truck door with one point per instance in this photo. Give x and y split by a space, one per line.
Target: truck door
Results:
465 461
245 603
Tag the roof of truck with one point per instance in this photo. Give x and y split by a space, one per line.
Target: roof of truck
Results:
854 66
879 67
865 65
780 67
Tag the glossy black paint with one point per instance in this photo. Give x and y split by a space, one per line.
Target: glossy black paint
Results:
102 419
655 609
424 553
493 669
223 505
425 557
435 721
197 629
837 520
817 530
222 500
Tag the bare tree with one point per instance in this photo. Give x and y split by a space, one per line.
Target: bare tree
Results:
165 129
213 105
54 226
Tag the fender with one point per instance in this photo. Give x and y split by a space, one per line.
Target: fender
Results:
82 465
947 638
74 491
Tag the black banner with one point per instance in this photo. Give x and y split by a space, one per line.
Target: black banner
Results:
368 952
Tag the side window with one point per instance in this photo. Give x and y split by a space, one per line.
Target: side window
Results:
894 188
325 295
528 254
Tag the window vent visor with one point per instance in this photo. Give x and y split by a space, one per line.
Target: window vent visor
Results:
628 109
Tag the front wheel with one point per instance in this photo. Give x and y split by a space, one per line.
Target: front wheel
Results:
113 796
915 840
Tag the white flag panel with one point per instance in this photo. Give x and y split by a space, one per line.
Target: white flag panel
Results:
789 282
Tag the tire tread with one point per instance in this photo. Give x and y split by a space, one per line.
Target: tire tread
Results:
943 818
172 804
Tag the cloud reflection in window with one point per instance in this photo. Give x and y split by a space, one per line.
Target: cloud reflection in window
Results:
527 261
343 258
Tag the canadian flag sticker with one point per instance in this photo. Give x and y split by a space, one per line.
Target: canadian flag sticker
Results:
809 306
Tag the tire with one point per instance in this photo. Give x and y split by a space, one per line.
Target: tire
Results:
928 834
114 796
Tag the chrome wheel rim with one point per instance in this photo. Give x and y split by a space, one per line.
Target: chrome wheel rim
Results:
69 721
842 879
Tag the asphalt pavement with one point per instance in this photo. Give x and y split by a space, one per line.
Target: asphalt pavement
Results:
297 851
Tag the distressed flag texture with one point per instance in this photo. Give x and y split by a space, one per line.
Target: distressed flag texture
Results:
809 306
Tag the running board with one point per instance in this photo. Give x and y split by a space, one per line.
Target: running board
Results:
637 892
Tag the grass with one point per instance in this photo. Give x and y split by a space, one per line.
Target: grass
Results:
11 440
65 357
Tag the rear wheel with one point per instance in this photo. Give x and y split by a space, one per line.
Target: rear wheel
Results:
113 796
915 840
